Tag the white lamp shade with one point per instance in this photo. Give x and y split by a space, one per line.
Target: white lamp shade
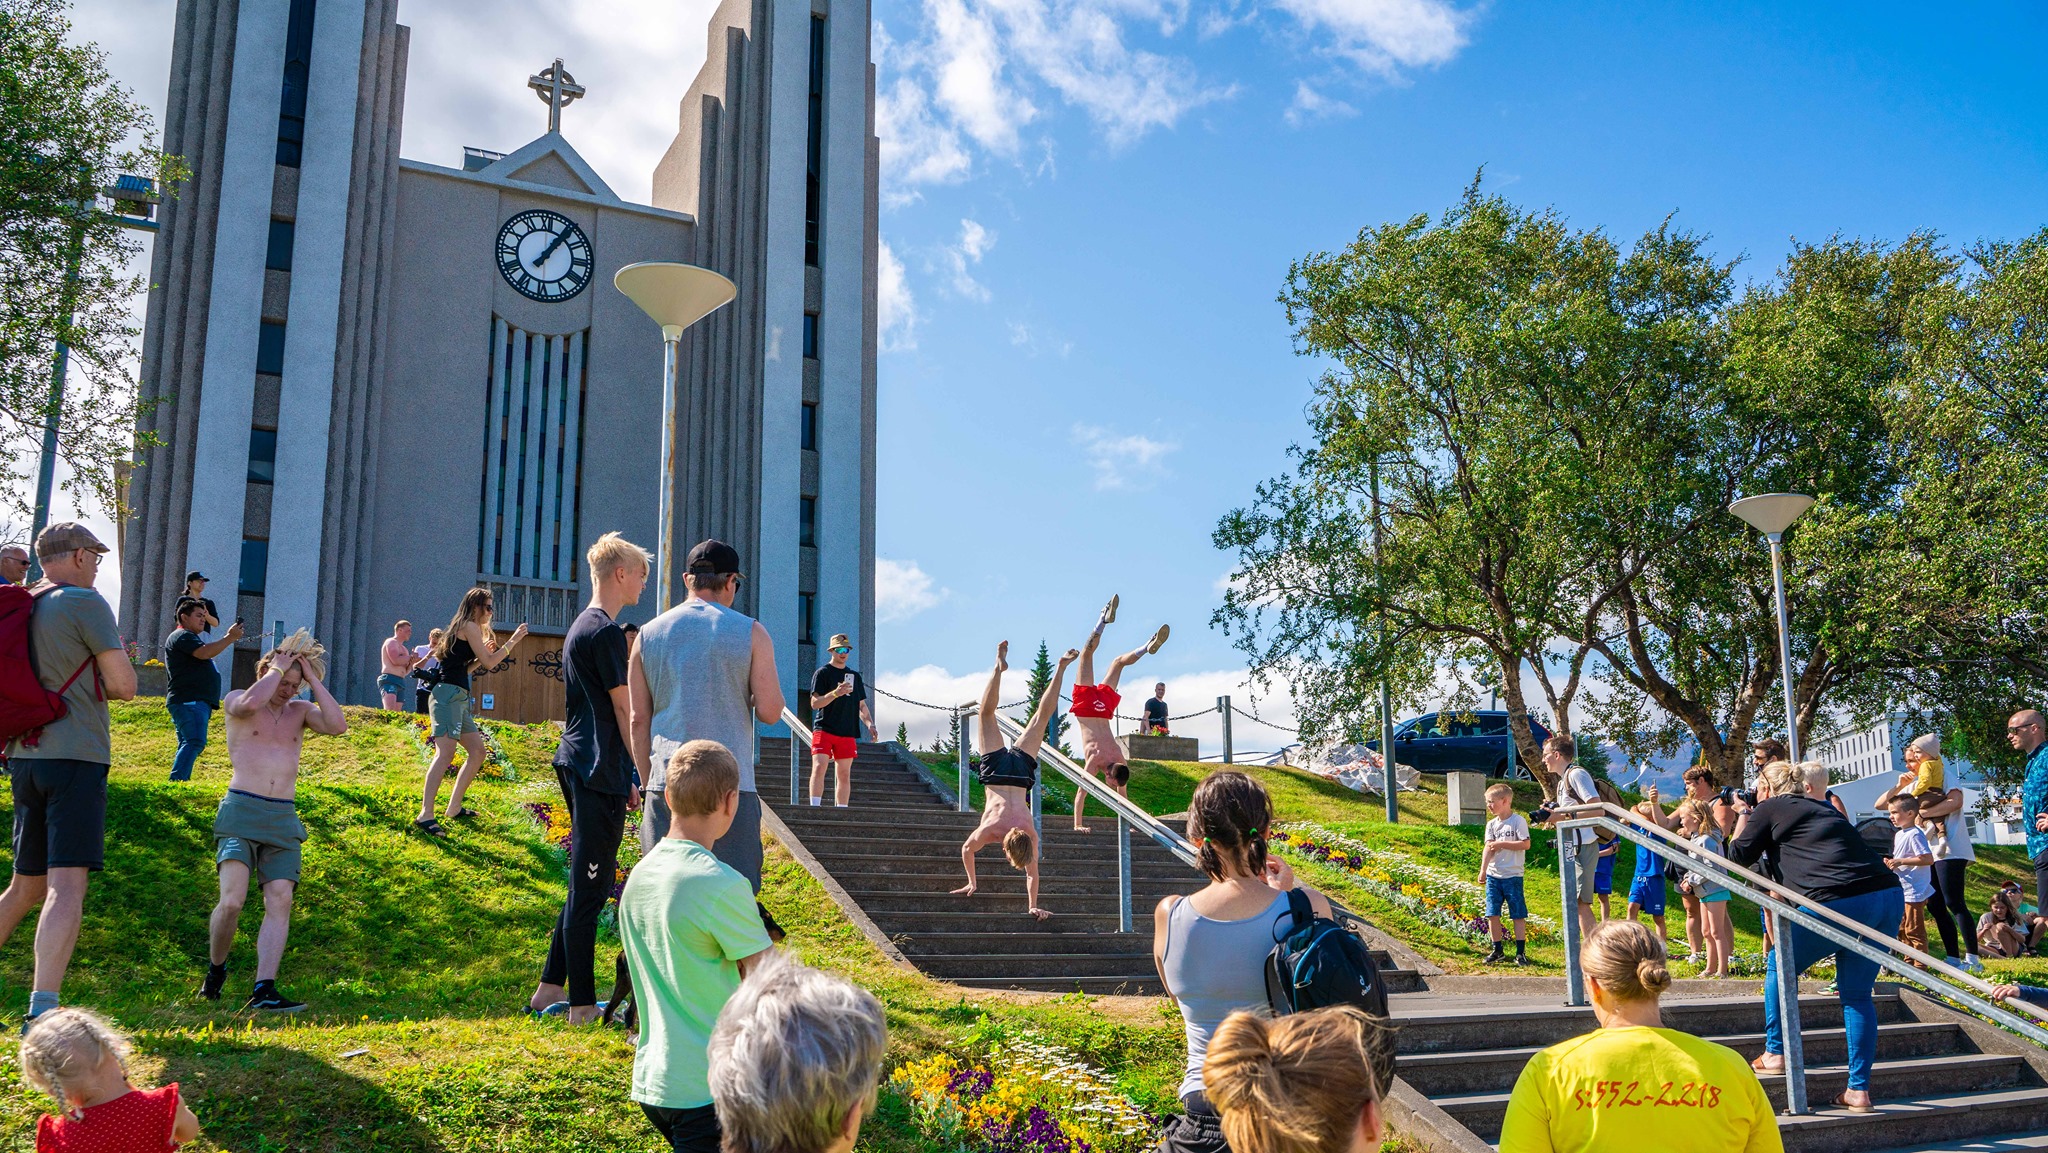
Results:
675 295
1773 512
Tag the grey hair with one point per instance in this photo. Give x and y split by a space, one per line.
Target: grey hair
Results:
1816 774
1926 744
794 1052
66 1045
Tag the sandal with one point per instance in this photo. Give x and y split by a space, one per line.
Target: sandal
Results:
1769 1070
462 814
430 827
1842 1102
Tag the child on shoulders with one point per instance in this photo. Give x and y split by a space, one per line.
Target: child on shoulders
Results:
79 1059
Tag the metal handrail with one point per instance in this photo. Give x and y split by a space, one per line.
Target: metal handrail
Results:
1116 802
799 750
1786 909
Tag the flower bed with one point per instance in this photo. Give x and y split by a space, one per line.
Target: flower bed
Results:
1022 1097
497 765
1430 894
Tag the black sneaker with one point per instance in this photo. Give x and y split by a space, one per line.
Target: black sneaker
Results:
775 933
1523 959
1494 958
267 999
216 976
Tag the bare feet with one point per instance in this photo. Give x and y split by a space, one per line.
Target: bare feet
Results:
1109 611
1041 914
1082 829
966 890
583 1014
1003 654
1158 638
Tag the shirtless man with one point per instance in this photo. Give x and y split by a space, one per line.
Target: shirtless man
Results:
397 665
1095 706
1007 777
257 828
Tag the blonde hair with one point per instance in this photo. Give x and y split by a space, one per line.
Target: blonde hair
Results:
1496 792
1783 779
1296 1084
299 644
1017 847
1627 959
612 552
474 601
65 1046
699 776
1701 814
1814 773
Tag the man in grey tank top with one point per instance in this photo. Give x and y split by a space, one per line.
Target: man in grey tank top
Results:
703 671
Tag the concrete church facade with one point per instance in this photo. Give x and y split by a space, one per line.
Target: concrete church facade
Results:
382 381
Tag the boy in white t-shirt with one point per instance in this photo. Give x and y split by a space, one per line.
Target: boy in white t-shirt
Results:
1500 868
1913 861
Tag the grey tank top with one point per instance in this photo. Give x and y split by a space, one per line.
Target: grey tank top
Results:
1214 968
698 657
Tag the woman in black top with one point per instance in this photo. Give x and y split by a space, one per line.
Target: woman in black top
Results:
467 645
1821 858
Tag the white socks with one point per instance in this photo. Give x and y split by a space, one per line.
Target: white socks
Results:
816 801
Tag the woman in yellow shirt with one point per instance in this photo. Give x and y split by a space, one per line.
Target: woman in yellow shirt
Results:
1632 1084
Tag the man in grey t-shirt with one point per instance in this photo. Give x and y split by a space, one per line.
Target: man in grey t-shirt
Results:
59 776
703 671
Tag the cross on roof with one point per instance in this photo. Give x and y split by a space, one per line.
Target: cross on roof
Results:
556 89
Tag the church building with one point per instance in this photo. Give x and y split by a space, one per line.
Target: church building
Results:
381 381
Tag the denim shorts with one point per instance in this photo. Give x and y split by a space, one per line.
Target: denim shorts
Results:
1504 898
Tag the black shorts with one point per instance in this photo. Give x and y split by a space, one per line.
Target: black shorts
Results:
1006 767
60 815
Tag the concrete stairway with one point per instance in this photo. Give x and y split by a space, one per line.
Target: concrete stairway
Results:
896 854
1940 1081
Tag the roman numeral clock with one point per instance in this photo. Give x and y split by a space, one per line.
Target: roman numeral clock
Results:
544 255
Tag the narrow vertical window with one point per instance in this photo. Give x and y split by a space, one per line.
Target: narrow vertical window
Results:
810 336
262 456
806 619
270 347
255 567
814 150
807 429
807 522
298 66
278 255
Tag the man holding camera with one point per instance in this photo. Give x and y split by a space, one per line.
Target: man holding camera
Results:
1580 848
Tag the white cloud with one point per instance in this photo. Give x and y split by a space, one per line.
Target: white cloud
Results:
1385 36
1122 462
1310 104
897 324
903 590
967 60
917 148
1034 339
962 255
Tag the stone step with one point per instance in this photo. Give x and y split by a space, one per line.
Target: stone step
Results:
868 795
1519 1026
1131 985
1484 1071
1144 894
1921 1118
2034 1142
1007 965
883 904
848 858
1952 1074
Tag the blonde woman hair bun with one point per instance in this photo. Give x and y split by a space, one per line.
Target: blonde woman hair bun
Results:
1627 959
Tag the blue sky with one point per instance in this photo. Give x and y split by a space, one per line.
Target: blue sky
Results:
1091 205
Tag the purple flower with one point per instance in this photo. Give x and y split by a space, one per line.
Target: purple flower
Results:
968 1084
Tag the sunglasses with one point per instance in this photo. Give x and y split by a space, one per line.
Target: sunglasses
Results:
842 649
2022 728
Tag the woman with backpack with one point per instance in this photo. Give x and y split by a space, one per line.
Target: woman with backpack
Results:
1211 946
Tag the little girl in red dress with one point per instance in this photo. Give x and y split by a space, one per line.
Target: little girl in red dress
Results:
78 1058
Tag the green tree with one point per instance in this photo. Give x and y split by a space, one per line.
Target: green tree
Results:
903 734
67 130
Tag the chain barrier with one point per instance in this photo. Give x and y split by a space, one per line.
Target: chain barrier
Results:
937 708
1258 720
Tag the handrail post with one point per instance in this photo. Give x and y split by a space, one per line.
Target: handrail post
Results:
796 751
1568 881
1123 875
1788 1014
963 754
1223 706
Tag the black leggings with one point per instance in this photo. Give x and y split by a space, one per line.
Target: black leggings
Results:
1950 906
688 1130
597 821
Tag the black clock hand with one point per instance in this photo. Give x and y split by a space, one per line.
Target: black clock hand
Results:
542 259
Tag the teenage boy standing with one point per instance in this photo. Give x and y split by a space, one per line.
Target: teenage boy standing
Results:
60 780
257 829
841 700
690 931
1501 864
594 766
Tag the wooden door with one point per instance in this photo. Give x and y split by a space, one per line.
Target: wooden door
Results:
528 687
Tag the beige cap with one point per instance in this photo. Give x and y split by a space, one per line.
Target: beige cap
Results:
67 536
838 639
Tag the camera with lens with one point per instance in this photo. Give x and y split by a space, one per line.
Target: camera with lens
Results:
1729 793
1543 813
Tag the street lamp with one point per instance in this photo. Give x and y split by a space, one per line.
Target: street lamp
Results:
676 296
1390 786
1771 514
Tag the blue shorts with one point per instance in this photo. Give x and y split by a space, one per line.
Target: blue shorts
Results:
1603 874
391 683
1647 894
1504 898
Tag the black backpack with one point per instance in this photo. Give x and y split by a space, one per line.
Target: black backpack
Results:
1319 963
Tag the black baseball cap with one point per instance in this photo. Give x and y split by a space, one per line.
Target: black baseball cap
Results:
712 558
194 575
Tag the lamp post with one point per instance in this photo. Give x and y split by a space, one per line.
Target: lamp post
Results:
676 296
1390 786
1771 514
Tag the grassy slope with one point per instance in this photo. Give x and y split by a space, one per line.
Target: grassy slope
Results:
422 953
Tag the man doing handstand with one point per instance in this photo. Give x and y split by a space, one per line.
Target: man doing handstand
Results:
257 828
1095 706
1007 775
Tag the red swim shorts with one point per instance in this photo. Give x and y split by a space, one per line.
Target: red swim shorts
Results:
838 748
1095 701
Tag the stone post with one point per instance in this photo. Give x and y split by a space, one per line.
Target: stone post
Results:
1464 798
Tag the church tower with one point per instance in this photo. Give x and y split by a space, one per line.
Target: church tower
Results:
380 382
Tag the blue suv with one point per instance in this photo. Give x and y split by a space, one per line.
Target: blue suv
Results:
1473 742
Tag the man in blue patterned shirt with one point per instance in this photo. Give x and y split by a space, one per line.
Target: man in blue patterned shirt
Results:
2030 736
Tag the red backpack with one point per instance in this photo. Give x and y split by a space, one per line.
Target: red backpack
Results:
25 705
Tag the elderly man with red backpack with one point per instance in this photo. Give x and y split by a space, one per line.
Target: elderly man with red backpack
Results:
61 661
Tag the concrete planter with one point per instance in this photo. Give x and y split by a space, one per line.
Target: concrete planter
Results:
1144 747
152 680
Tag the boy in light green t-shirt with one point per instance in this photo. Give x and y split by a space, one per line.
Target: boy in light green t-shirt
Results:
690 931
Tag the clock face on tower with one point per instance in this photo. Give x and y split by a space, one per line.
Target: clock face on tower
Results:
544 255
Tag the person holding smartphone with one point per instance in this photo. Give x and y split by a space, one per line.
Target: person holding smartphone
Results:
840 698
